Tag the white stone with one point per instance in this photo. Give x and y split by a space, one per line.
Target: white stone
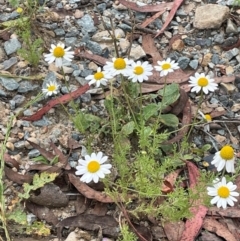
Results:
210 16
137 52
124 45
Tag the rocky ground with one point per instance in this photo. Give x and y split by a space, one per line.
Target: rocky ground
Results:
203 36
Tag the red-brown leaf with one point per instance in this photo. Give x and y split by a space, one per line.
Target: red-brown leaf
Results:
214 226
147 8
61 100
87 191
176 5
17 177
193 173
10 161
169 181
193 225
173 230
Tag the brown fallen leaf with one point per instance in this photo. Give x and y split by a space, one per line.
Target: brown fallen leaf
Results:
91 222
42 212
178 76
73 144
169 180
100 209
5 35
179 105
47 154
150 48
40 167
87 191
207 236
143 231
82 204
151 19
232 227
214 226
176 5
173 230
50 196
63 160
147 8
17 177
231 212
11 162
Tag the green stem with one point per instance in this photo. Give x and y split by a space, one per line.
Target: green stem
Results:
195 117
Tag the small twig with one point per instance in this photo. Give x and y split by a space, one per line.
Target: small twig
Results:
132 32
130 223
145 30
112 35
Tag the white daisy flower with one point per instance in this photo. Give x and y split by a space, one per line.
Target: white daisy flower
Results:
223 193
100 77
206 118
118 66
225 157
92 168
58 53
202 82
140 71
166 66
51 88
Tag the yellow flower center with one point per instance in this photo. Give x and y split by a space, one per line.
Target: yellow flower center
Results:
19 10
98 76
208 117
166 66
138 70
202 81
227 153
223 192
93 166
58 52
51 88
119 63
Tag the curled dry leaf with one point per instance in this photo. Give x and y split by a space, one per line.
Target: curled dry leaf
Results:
173 230
214 226
169 181
87 191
